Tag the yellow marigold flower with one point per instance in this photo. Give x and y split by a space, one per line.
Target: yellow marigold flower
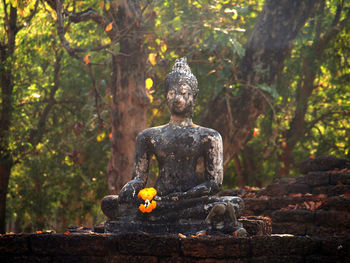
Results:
147 193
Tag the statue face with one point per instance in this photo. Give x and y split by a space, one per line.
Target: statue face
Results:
180 99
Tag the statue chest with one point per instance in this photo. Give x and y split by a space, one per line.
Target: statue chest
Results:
178 146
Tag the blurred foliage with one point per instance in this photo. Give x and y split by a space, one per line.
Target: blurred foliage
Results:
59 181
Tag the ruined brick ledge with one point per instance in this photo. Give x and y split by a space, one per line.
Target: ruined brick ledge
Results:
171 248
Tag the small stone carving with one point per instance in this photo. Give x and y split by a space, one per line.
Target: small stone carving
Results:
190 172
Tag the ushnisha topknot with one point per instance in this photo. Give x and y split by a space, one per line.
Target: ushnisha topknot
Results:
181 72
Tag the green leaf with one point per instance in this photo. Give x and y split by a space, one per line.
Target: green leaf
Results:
270 90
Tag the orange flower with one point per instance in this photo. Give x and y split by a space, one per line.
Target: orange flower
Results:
148 206
147 193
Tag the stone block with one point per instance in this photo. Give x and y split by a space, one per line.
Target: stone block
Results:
298 188
283 246
276 203
132 259
216 247
146 244
277 259
338 203
298 215
276 189
320 190
289 228
74 244
339 178
257 225
339 190
256 204
27 258
331 218
13 244
333 246
317 178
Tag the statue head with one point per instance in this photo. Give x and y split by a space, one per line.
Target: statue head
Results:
181 89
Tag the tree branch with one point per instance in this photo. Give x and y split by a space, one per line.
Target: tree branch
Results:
36 134
30 17
86 15
330 34
78 17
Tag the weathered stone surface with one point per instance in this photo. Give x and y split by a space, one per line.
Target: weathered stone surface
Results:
298 215
14 244
339 178
339 190
289 228
28 258
216 247
322 163
320 190
173 248
132 259
277 259
333 219
283 245
144 244
255 204
276 203
338 203
276 189
298 188
69 244
257 225
317 178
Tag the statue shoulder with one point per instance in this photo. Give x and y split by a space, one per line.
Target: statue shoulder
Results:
148 133
209 133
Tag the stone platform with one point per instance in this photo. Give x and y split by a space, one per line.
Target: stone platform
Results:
140 247
254 225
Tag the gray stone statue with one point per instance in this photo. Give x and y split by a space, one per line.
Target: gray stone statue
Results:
190 172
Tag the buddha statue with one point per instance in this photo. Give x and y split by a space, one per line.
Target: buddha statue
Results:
190 172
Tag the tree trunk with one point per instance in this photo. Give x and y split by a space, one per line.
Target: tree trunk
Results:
6 82
310 66
266 50
130 101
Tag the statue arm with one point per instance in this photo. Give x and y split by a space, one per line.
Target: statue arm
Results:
140 170
214 160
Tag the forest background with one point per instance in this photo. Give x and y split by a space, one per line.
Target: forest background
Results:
80 79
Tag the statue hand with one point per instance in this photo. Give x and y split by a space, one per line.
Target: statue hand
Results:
130 190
